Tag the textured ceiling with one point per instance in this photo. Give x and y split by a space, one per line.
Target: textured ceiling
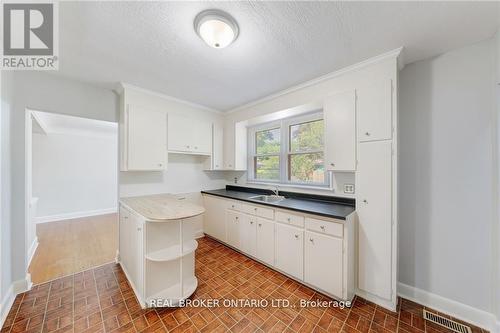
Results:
153 44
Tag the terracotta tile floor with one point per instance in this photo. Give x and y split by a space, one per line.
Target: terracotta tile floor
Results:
101 300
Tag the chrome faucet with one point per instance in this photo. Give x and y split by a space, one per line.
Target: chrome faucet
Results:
276 190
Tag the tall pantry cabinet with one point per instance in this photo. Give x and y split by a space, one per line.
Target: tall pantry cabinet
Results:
376 190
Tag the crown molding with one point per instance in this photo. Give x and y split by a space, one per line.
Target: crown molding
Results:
121 86
394 54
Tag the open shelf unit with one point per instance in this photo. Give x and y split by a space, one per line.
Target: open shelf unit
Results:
158 257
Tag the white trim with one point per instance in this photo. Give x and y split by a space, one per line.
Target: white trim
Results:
397 53
32 250
75 215
6 304
16 288
199 234
453 308
121 86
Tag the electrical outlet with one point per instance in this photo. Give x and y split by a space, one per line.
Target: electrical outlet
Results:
349 188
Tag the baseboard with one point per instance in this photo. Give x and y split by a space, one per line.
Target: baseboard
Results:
453 308
75 215
6 304
199 234
15 288
32 250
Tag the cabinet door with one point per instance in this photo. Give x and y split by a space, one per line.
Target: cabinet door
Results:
265 241
290 250
214 217
217 147
233 228
374 111
374 209
340 131
248 236
180 133
139 254
146 139
124 231
202 135
323 263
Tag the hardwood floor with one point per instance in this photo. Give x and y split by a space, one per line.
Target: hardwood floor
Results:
70 246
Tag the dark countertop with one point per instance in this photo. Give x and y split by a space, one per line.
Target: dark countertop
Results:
327 206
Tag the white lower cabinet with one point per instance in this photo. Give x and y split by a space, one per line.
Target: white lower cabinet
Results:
323 262
233 228
214 222
312 249
265 241
248 234
290 250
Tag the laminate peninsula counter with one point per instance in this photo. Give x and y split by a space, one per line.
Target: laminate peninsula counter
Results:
157 247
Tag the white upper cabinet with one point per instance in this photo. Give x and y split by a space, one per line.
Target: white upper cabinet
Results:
189 135
374 209
217 161
374 111
340 131
235 147
144 144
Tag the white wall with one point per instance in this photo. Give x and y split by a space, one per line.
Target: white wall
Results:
446 175
5 192
50 93
74 174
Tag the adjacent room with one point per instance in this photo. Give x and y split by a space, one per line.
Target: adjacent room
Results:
76 157
250 166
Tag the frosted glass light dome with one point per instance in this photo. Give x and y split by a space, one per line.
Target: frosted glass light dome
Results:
217 28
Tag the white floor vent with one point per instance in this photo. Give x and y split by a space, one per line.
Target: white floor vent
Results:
445 322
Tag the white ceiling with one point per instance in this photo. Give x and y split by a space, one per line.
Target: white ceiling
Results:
153 44
52 123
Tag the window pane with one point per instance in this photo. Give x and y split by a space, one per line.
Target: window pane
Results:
267 167
307 136
307 168
267 142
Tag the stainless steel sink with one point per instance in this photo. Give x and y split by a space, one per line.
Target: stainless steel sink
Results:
268 198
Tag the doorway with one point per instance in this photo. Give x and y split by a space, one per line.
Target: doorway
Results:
71 194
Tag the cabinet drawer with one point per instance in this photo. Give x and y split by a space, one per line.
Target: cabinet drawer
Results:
293 219
264 212
325 227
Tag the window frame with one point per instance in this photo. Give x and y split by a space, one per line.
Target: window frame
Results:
285 151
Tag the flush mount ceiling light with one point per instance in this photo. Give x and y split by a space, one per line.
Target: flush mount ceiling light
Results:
217 28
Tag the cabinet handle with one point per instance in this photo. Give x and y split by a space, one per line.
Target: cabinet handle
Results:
251 222
322 227
232 206
216 165
367 133
195 147
332 164
297 236
187 147
139 229
255 209
260 224
159 164
237 217
365 201
288 219
311 240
